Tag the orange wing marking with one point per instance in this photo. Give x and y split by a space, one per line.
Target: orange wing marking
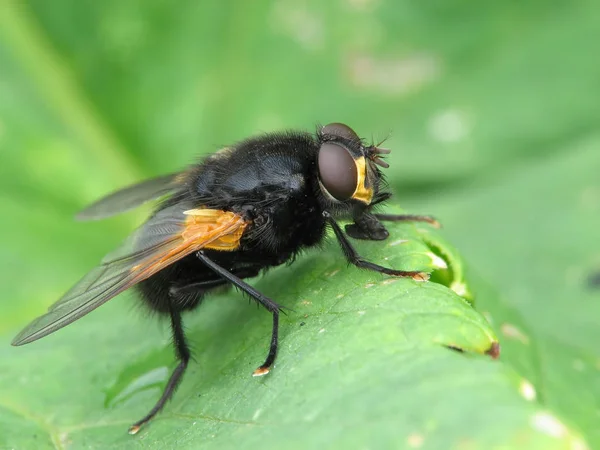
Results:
213 229
203 229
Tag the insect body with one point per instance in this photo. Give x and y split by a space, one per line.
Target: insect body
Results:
241 211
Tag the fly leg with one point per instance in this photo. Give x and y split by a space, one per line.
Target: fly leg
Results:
354 258
368 226
179 290
265 301
183 354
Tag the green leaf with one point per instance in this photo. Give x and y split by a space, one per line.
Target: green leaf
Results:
355 330
493 118
531 238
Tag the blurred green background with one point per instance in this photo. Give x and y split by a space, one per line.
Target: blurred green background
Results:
493 114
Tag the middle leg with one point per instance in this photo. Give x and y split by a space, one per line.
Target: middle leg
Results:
262 299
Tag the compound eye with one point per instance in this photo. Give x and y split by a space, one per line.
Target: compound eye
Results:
340 130
337 171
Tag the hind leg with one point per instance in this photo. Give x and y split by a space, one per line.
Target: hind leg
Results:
193 287
183 354
180 296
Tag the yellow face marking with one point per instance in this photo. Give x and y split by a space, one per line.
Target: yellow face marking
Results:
362 193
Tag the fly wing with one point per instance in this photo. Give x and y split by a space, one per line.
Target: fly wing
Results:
168 236
131 197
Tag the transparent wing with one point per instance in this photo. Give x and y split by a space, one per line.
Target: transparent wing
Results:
171 234
131 197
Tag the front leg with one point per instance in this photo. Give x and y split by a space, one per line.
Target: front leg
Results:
354 258
368 226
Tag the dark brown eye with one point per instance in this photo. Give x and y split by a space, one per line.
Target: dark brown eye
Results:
337 171
341 130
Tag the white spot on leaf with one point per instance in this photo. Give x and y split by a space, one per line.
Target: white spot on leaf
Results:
449 126
527 390
296 21
394 75
64 439
415 440
578 444
459 287
398 242
546 423
437 261
511 331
